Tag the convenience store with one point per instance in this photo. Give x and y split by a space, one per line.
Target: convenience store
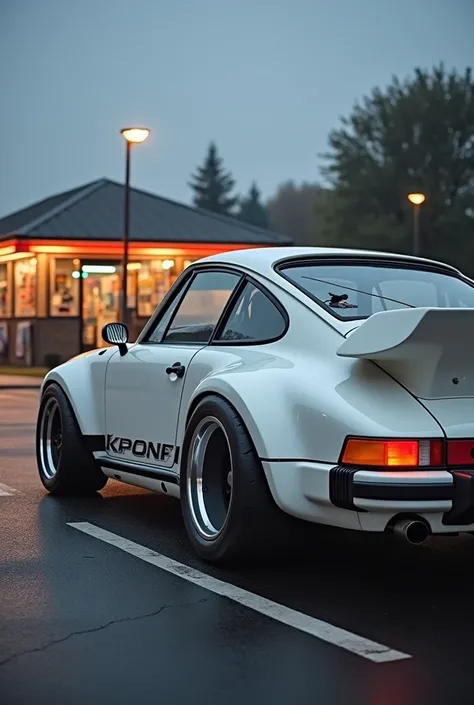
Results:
60 265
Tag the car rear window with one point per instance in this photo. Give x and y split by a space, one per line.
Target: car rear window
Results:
358 290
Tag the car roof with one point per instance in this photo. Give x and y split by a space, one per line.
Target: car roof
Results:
263 259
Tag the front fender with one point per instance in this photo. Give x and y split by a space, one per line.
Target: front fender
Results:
83 380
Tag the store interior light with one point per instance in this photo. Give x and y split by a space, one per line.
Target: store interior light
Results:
134 265
99 268
168 263
15 256
76 275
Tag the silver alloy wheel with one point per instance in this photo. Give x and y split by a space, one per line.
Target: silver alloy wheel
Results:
50 438
209 475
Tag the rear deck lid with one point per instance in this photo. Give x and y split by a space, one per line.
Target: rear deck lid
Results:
428 350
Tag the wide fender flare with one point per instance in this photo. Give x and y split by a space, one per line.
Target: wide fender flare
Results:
221 387
83 385
278 424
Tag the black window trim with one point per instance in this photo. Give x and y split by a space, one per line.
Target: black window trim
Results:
179 296
173 296
221 324
359 260
176 294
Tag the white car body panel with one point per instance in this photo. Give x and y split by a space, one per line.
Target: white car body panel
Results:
152 402
455 415
83 379
299 397
429 350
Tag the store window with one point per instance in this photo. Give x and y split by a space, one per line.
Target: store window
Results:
155 277
64 293
133 269
25 287
5 301
101 287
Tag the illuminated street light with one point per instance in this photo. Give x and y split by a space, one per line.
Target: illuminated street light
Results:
133 136
416 199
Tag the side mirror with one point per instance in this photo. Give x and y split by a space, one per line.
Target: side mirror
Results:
116 334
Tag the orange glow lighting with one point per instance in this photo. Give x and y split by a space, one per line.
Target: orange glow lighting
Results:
15 256
379 453
7 250
104 247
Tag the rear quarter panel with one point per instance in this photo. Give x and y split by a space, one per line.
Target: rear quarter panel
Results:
298 399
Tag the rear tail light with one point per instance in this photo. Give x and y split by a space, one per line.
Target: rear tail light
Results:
460 452
393 453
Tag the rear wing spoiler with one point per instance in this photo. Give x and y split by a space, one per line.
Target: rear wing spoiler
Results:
429 350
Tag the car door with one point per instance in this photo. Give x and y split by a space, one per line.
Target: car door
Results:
143 388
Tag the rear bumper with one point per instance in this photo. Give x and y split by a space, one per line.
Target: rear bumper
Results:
448 491
366 500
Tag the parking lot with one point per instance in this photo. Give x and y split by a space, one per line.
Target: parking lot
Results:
102 600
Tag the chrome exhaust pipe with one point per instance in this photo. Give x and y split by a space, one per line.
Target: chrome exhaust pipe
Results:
412 530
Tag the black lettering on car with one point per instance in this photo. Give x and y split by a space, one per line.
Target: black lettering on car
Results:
124 444
111 441
139 448
153 450
166 451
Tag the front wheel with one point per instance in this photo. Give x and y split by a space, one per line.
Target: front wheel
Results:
65 465
227 506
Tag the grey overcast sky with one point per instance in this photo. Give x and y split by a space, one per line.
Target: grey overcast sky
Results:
265 79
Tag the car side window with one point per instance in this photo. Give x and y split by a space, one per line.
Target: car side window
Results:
201 307
159 330
254 318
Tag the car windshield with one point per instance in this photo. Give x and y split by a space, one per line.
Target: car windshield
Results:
353 290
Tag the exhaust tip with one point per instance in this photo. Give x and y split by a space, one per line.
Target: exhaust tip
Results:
417 532
414 531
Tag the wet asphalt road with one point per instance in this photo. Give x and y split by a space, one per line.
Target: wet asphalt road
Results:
82 621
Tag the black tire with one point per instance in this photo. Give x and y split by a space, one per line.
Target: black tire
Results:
254 528
65 464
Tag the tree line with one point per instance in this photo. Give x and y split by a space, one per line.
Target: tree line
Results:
416 135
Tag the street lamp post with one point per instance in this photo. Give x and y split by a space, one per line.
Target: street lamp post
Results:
132 135
416 199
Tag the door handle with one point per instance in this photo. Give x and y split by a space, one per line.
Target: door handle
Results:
176 369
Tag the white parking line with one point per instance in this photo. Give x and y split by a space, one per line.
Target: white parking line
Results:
354 643
6 491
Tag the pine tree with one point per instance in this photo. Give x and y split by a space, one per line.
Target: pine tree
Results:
212 185
252 210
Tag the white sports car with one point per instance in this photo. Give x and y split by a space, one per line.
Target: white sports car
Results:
331 386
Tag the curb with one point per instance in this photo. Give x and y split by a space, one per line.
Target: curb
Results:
3 387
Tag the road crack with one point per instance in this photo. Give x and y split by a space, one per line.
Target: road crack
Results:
100 628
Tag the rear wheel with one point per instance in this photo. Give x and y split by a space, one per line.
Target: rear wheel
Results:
228 509
65 464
